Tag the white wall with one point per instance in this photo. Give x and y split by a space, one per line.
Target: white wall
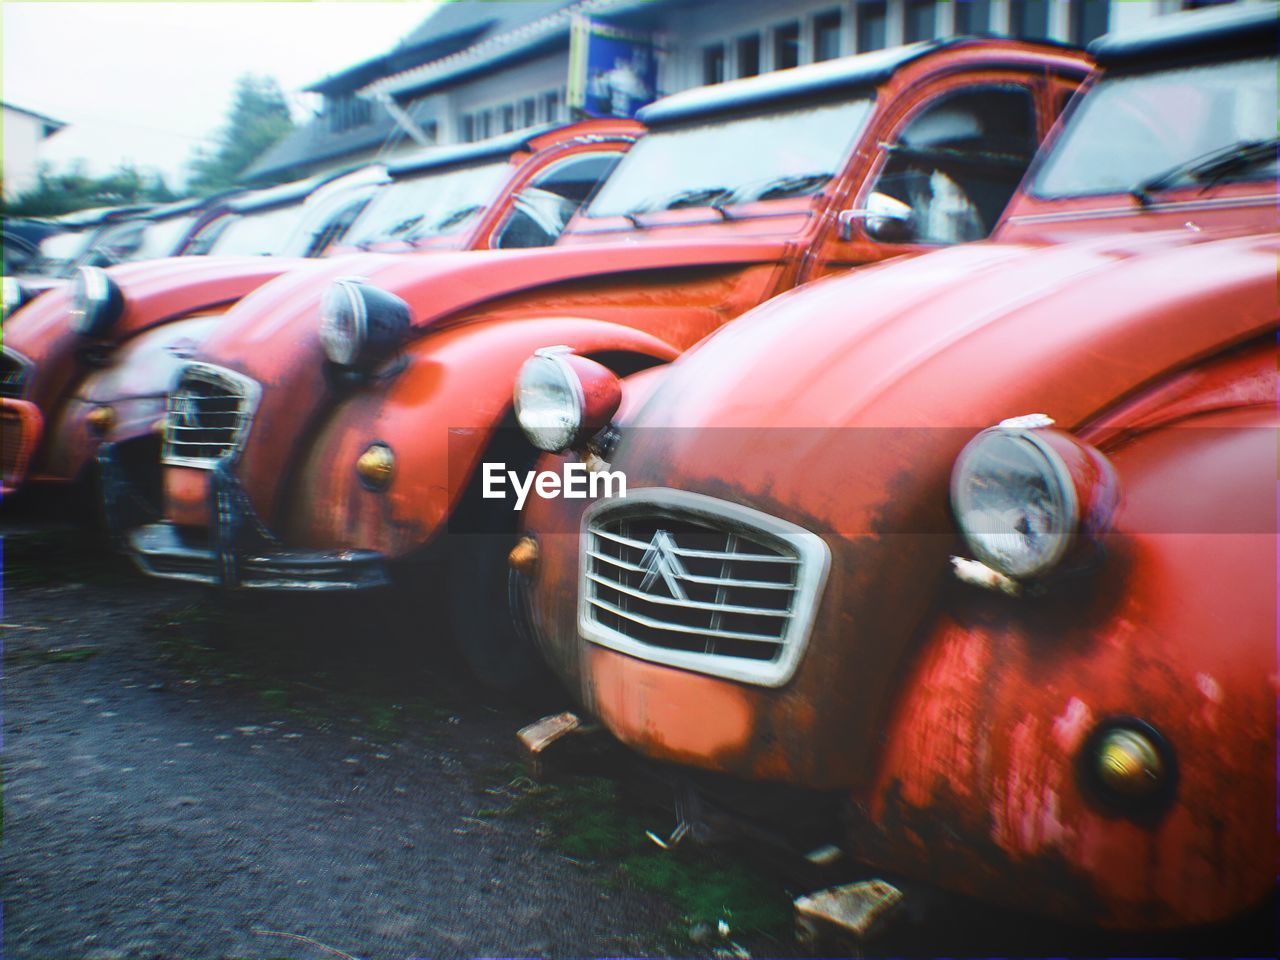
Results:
22 136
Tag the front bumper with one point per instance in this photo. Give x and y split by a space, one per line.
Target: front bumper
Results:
241 553
161 551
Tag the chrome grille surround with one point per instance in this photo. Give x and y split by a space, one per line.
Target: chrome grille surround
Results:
15 371
700 584
207 415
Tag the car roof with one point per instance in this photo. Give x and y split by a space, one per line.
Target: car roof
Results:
504 145
1216 33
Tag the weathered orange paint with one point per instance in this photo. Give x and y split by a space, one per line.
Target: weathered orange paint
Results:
166 293
186 494
20 427
953 719
605 287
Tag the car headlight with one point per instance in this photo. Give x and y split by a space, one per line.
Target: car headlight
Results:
361 325
561 398
14 296
96 302
1025 496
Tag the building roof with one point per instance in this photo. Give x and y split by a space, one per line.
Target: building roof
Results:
448 29
51 126
1218 31
543 25
316 145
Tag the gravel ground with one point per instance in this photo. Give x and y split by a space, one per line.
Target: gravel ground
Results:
190 775
169 794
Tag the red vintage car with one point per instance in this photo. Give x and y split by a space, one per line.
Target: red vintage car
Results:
985 540
93 364
333 431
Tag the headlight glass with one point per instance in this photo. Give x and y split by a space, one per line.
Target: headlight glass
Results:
96 302
548 400
342 322
1014 501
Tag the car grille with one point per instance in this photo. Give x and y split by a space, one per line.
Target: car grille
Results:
699 583
208 415
14 371
16 440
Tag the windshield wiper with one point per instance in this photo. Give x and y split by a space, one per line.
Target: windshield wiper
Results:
697 197
787 185
1208 168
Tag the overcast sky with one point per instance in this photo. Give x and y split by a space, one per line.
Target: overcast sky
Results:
147 82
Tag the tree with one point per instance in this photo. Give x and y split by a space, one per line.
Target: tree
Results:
75 189
259 117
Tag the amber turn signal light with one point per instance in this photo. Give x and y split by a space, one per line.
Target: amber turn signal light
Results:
523 558
375 466
101 419
1129 763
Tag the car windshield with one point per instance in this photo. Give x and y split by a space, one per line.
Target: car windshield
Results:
434 204
260 233
1149 130
769 156
160 237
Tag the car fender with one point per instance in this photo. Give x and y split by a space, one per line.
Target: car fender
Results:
1176 628
439 415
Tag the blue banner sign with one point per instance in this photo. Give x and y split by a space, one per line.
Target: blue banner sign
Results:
612 72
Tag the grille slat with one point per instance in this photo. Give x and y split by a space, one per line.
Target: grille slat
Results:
692 578
683 579
679 628
208 415
690 604
15 370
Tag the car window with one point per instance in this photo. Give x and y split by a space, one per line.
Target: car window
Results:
546 205
954 166
434 203
1131 129
787 152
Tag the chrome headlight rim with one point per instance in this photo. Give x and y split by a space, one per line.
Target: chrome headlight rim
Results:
1061 488
362 325
551 359
96 302
14 296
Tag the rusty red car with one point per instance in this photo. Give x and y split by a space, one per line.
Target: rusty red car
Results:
984 541
86 370
332 433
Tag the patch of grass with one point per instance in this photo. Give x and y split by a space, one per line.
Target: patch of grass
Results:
51 655
46 557
587 819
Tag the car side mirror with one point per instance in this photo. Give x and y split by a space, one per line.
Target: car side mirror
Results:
887 219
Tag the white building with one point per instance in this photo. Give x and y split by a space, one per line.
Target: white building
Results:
24 132
477 69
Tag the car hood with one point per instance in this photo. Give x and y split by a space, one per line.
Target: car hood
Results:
441 285
843 404
154 291
146 365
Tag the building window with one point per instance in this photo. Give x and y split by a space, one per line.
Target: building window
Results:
749 55
973 16
484 125
347 112
468 128
1090 19
1197 4
528 112
826 35
786 46
551 106
508 118
1029 19
921 20
713 64
872 23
